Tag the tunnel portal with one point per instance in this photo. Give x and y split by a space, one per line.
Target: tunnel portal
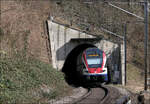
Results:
66 43
70 64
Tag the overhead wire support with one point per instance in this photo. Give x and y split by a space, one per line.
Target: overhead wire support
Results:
146 42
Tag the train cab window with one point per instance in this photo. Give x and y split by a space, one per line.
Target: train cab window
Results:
94 62
94 58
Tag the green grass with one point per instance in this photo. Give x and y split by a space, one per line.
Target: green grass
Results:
21 80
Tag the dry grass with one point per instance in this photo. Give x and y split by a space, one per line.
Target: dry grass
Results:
135 80
20 16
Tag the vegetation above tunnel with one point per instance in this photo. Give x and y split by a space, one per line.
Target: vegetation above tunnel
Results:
96 14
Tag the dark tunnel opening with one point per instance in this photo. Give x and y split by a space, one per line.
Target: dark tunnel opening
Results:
70 65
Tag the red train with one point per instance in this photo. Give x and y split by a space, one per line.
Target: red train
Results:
91 64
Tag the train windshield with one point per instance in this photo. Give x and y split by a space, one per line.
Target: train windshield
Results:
94 58
94 62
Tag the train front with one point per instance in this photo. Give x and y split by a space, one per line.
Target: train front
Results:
94 61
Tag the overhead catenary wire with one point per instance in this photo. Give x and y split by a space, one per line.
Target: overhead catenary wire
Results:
125 11
105 30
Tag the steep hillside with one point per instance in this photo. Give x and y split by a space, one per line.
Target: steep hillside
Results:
25 20
26 75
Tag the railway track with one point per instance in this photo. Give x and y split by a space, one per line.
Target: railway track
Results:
100 95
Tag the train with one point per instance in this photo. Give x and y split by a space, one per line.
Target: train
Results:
91 65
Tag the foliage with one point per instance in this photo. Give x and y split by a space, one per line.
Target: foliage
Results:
19 76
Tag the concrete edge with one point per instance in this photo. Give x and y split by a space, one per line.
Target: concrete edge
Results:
78 94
